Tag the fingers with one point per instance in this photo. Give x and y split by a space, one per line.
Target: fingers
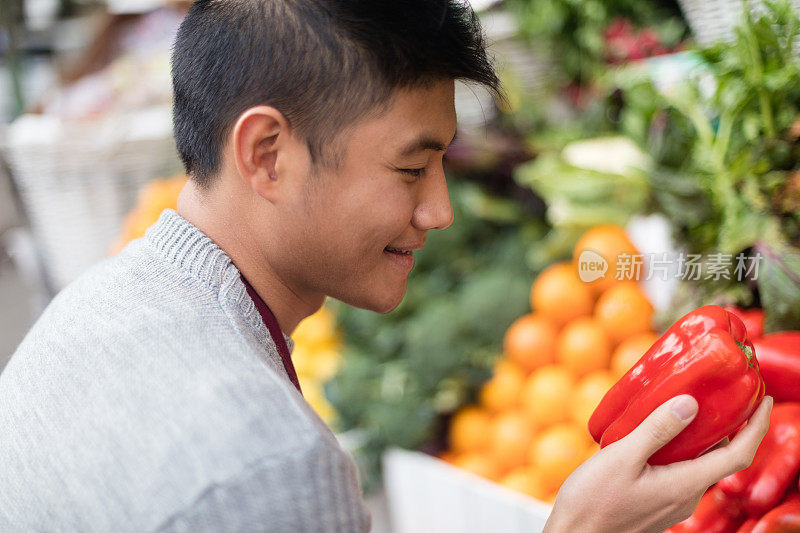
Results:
725 460
663 425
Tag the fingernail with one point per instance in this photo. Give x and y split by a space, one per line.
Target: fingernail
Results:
684 408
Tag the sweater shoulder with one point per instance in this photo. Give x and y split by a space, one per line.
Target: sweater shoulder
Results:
130 302
144 363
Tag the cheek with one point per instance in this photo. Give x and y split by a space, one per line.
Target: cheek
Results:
373 218
343 231
391 208
331 236
386 223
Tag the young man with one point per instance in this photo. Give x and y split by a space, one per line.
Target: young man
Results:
157 391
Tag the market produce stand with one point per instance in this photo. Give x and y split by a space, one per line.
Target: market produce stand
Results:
640 169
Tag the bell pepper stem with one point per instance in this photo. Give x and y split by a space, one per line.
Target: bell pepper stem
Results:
748 352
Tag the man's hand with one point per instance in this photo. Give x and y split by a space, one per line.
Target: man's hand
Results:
616 490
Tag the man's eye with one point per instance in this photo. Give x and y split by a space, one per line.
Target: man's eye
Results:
416 172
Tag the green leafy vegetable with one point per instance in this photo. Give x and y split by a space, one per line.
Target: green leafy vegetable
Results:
726 150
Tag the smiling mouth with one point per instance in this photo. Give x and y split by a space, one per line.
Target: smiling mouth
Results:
402 258
392 250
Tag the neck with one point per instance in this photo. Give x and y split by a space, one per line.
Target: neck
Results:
230 228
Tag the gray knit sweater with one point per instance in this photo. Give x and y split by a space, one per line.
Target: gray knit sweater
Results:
149 396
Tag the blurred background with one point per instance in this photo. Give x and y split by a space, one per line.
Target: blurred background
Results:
85 107
659 137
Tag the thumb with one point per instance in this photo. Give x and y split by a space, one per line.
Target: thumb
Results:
663 425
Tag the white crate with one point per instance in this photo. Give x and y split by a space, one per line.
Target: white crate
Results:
77 181
426 494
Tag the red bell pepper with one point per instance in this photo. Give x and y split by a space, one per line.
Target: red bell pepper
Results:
748 526
784 518
775 466
714 514
706 354
779 360
753 320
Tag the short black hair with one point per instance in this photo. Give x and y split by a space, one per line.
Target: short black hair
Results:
324 64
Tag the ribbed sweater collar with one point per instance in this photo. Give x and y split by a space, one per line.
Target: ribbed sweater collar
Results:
186 246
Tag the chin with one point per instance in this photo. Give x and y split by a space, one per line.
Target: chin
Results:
383 303
390 307
391 299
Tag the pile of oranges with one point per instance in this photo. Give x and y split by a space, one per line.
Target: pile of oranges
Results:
529 429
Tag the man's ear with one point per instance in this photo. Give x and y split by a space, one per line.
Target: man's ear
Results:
256 138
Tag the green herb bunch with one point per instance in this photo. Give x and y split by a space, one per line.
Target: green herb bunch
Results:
726 149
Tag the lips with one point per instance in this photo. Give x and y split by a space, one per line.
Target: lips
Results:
400 257
405 248
396 251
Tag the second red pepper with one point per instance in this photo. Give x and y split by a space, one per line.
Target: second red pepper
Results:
761 486
714 514
784 518
779 361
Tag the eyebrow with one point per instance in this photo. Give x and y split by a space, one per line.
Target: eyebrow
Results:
425 142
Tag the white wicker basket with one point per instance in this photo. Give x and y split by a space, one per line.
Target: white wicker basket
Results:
713 20
77 181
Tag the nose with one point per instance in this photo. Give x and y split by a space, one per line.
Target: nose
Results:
433 210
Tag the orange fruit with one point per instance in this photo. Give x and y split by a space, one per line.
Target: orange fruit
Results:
557 451
478 463
510 437
530 341
623 311
609 242
560 295
588 393
504 364
527 481
546 394
502 391
630 351
583 346
469 430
